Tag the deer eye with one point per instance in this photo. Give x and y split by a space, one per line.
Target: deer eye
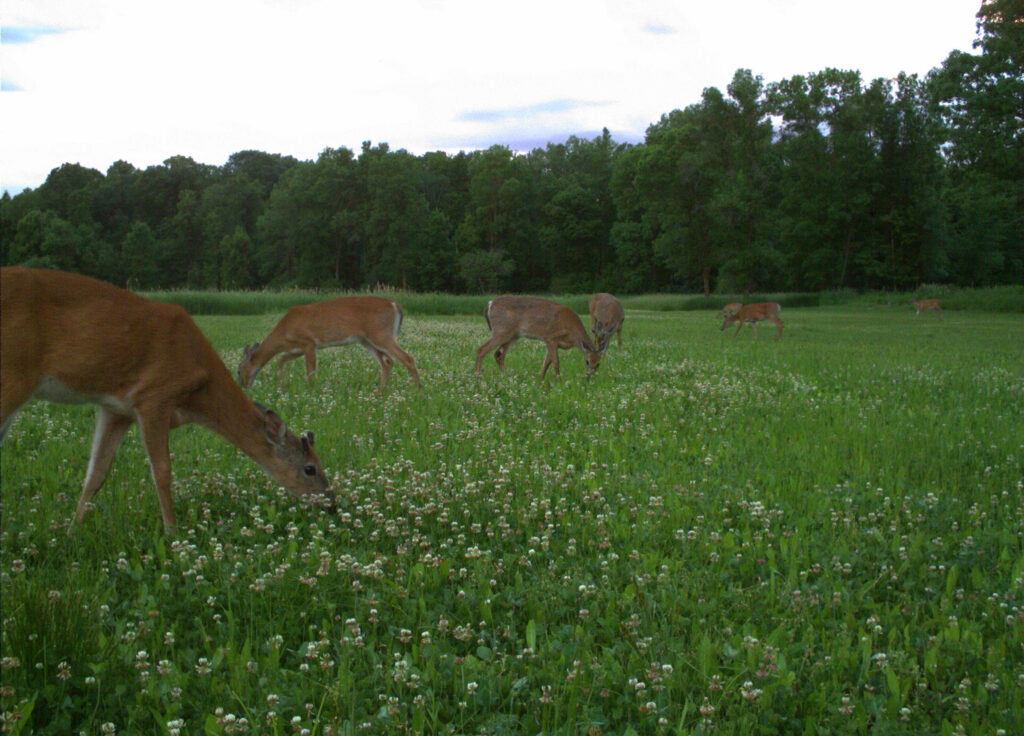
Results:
309 470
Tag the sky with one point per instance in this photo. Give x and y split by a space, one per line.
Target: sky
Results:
97 81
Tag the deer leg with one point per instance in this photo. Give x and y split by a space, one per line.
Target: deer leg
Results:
385 360
390 348
502 352
309 353
14 391
551 358
281 362
110 430
482 351
155 427
618 334
778 324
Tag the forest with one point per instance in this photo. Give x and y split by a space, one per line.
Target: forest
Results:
824 181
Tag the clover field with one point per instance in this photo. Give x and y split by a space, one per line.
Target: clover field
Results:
714 535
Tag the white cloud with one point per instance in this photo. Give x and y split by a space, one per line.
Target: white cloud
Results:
143 81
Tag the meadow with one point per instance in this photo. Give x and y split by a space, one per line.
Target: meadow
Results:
713 535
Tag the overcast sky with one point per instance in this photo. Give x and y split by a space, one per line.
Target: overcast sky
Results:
94 81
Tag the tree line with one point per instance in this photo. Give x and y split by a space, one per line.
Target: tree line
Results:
816 182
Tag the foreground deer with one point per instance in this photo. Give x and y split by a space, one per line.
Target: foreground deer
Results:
370 321
73 339
512 317
606 316
925 305
754 313
730 309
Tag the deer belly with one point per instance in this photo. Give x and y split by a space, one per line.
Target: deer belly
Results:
354 340
51 389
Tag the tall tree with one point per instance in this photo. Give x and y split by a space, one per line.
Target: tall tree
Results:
705 184
229 204
632 234
828 169
309 234
501 216
910 233
981 100
141 259
578 211
405 241
265 169
745 189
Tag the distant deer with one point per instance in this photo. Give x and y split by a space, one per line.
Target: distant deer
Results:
512 317
924 305
754 313
606 316
370 321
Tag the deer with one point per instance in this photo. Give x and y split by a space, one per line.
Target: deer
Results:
72 339
370 321
754 313
606 316
925 305
729 309
512 317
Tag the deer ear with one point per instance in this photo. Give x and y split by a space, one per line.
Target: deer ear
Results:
307 441
273 427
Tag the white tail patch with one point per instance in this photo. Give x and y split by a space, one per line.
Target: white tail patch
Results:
398 317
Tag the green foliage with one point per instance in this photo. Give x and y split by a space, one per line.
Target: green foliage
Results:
485 270
140 255
978 97
814 535
819 182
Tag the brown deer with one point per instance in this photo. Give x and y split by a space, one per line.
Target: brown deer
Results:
925 305
606 316
370 321
73 339
754 313
512 317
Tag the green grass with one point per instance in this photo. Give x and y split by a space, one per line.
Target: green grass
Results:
818 535
995 299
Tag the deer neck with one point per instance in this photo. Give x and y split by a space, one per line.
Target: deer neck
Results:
223 407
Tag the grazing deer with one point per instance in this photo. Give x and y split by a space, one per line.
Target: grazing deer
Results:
606 316
512 317
754 313
924 305
370 321
730 309
73 339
